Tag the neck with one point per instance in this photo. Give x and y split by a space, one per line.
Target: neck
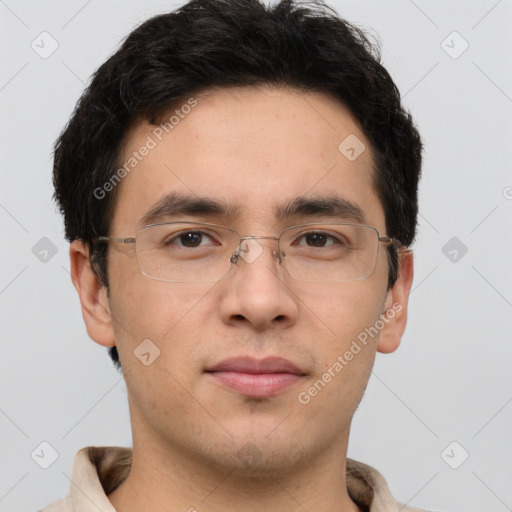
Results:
172 480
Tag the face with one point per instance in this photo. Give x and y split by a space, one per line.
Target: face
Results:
251 150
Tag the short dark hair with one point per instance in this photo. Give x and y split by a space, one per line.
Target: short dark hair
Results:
223 43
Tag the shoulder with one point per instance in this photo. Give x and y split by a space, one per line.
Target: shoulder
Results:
368 488
97 471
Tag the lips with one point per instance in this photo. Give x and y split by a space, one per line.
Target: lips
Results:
255 366
256 378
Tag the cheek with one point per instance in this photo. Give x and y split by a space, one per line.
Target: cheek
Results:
339 312
148 308
345 355
345 338
171 315
167 314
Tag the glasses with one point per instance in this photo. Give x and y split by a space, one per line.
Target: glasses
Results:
199 252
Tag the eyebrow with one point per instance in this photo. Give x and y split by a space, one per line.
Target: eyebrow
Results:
175 204
332 206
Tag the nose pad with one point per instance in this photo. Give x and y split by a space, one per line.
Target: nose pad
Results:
250 250
278 255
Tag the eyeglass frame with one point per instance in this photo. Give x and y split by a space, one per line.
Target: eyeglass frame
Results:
396 244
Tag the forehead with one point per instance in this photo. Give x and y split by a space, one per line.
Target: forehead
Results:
252 149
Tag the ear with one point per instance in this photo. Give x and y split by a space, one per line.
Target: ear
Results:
92 294
396 304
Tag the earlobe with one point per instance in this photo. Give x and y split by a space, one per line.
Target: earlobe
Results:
396 305
92 295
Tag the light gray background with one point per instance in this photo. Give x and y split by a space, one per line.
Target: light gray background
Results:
449 381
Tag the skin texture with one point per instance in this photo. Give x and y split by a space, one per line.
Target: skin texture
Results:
256 147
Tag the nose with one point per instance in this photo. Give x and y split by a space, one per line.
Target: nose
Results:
256 291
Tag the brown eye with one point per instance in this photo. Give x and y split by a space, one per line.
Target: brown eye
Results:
191 239
316 239
319 239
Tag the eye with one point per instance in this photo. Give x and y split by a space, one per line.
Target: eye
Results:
319 239
189 239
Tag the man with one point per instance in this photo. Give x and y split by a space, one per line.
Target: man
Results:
239 187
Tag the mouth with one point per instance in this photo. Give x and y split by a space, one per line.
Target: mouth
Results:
256 378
